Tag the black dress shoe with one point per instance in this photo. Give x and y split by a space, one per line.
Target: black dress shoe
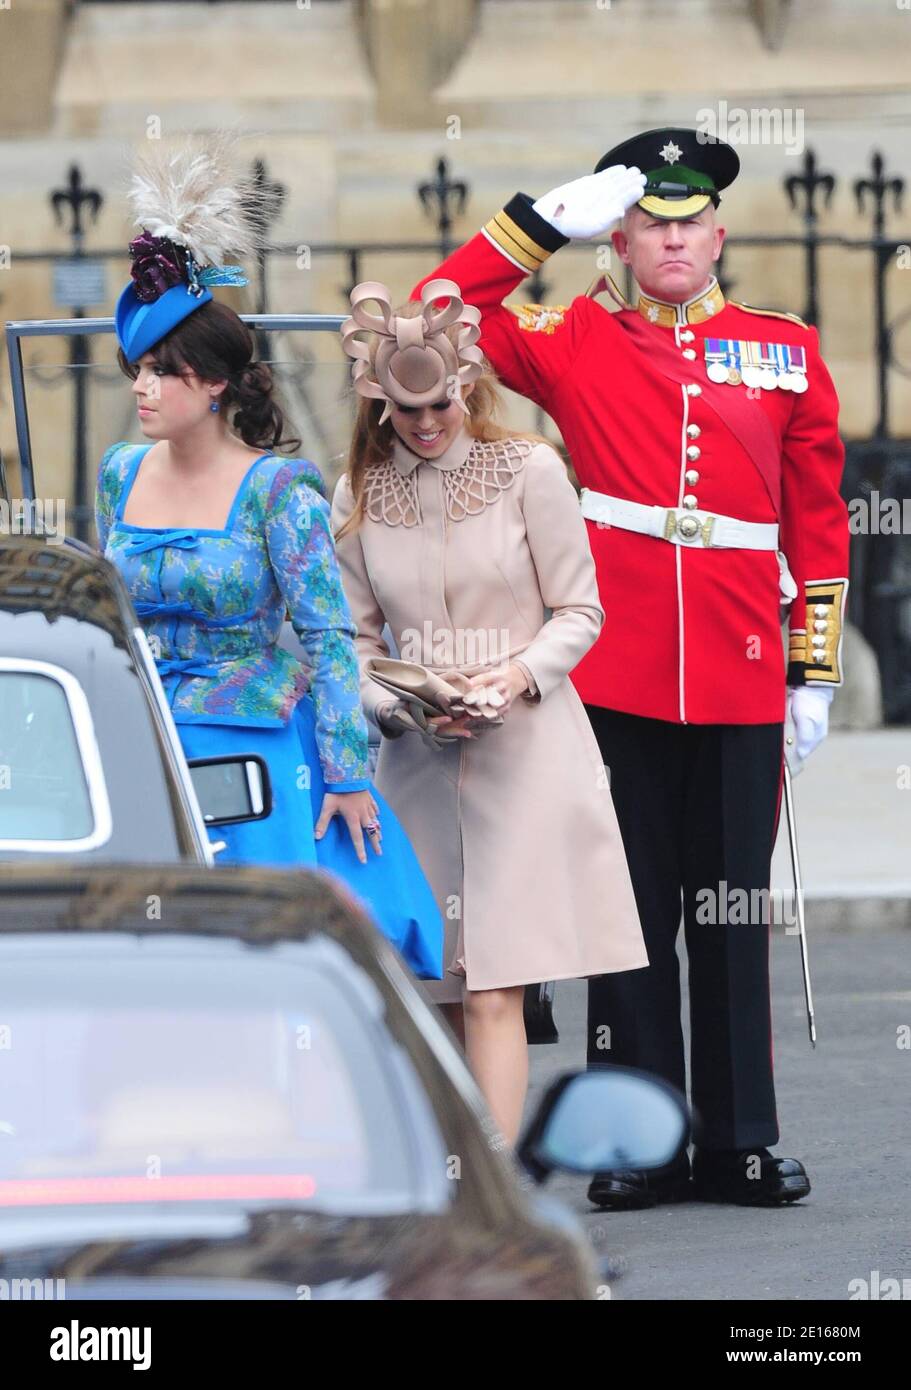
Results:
726 1175
631 1189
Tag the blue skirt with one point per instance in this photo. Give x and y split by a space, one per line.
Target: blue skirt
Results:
391 886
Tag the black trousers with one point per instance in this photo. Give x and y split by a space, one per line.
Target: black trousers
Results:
697 807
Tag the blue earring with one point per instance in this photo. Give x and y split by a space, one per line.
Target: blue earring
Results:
214 407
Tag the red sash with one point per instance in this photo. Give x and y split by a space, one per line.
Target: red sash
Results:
747 422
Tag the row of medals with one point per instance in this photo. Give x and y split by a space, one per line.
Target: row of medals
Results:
766 377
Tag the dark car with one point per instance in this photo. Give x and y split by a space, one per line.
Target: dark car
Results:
91 765
225 1085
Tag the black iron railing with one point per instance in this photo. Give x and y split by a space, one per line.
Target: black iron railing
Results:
880 603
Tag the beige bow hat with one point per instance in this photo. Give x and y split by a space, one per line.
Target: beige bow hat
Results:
415 363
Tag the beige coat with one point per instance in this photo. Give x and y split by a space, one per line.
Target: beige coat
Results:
516 830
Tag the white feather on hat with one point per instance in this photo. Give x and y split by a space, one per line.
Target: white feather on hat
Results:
197 197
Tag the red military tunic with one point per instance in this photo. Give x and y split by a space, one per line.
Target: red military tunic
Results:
691 635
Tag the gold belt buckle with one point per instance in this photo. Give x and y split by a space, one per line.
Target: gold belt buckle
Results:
688 526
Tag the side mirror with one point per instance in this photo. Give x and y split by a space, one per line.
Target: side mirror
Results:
230 790
610 1117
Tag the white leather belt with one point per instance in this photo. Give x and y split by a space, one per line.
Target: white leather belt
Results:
679 526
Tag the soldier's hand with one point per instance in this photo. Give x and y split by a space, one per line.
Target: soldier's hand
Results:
810 713
586 207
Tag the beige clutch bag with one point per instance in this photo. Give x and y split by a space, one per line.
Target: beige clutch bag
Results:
435 694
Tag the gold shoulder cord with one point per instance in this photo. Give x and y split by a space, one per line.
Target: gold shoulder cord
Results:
606 283
770 313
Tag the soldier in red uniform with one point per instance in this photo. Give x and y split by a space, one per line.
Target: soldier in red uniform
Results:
704 435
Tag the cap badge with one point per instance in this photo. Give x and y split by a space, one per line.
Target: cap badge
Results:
670 153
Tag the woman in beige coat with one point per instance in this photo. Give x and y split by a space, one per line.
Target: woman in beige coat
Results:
458 534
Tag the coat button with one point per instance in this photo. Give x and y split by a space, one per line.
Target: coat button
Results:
821 625
687 335
694 389
690 502
820 610
691 477
689 354
693 431
693 452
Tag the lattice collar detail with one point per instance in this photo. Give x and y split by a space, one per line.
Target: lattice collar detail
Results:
406 461
476 482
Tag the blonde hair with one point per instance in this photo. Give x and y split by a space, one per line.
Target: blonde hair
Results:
372 443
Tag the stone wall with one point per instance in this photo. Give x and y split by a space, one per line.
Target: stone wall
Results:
515 93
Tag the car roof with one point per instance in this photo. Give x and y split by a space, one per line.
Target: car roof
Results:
249 903
258 906
261 906
65 586
66 607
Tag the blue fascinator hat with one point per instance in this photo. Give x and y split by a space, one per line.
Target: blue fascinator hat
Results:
159 296
194 210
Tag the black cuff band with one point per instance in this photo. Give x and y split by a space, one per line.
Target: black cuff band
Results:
520 209
523 236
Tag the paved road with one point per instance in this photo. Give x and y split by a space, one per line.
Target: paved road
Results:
845 1110
853 802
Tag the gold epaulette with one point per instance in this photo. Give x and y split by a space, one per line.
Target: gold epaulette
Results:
539 318
771 313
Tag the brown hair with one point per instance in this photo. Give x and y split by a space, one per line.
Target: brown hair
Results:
372 443
218 346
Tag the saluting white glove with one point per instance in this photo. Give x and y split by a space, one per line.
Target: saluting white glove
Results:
809 709
586 207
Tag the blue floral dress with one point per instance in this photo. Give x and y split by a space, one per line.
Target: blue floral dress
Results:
212 603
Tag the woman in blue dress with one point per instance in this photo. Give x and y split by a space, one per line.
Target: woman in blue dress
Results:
217 536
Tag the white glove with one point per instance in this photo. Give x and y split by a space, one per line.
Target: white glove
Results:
809 709
586 207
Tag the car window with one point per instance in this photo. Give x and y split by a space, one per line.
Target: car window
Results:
216 1072
51 784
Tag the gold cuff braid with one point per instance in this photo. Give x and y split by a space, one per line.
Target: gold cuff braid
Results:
506 233
819 647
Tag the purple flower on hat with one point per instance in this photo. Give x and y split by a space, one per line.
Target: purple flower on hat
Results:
157 266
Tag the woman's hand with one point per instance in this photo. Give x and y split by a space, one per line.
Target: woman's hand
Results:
445 724
509 683
359 811
398 716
